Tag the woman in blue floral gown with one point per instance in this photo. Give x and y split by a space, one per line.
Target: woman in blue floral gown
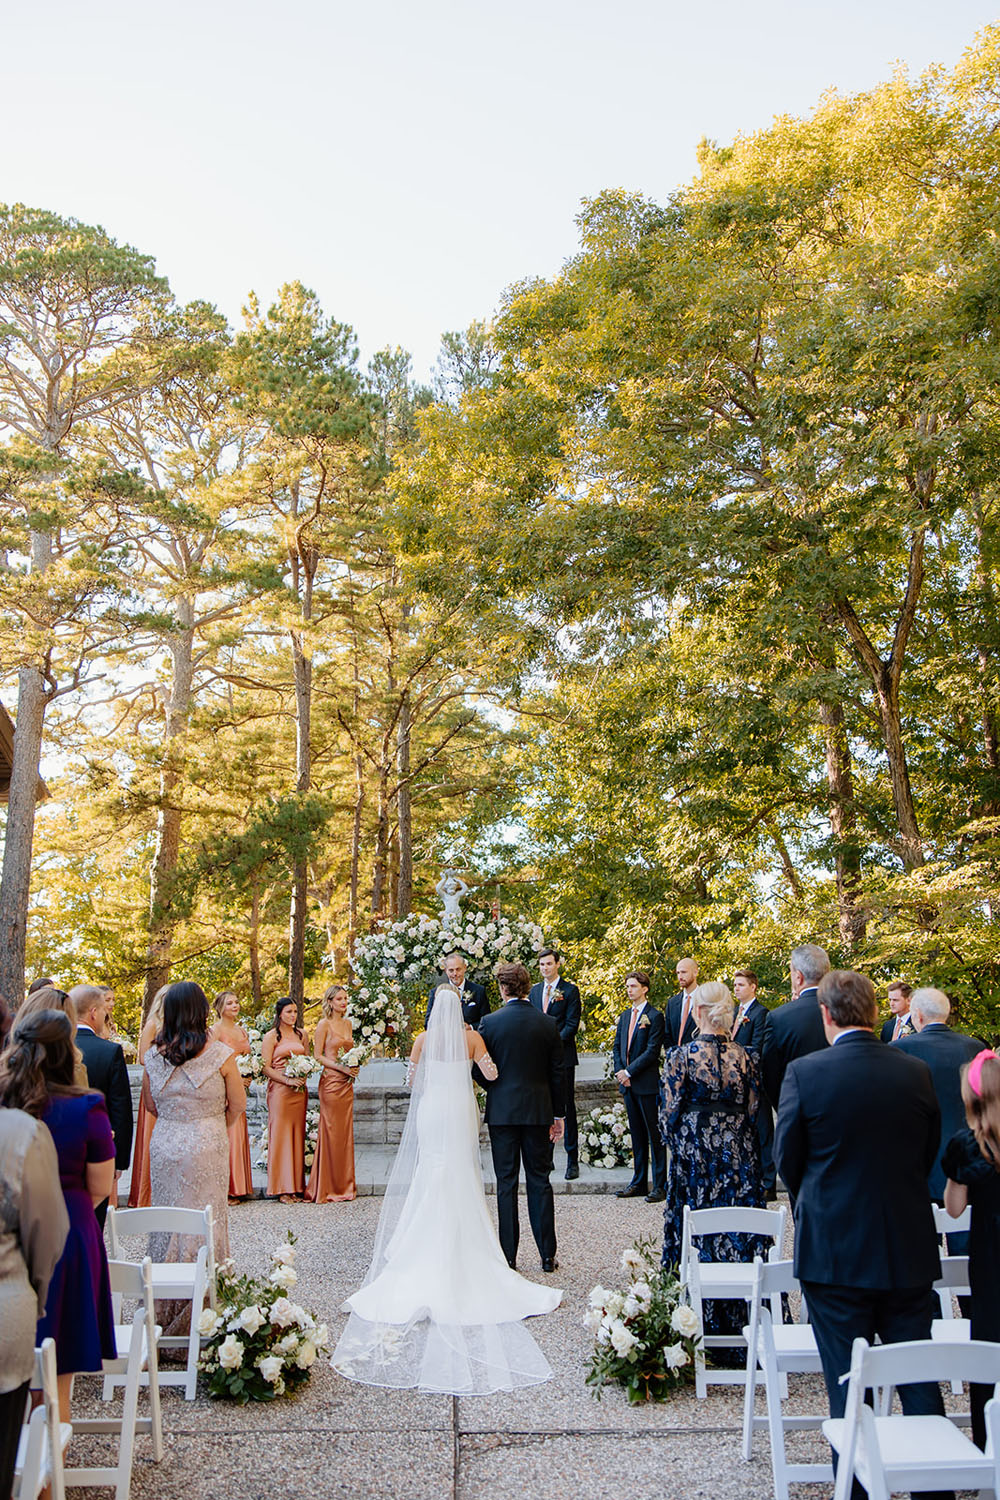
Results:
711 1091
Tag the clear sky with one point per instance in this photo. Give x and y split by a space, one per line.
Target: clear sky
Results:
406 160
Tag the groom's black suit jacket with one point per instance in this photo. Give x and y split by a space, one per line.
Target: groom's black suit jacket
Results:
526 1047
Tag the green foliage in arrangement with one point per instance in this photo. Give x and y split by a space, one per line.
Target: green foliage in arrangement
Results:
645 1337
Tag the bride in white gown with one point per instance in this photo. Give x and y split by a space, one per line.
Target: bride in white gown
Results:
440 1309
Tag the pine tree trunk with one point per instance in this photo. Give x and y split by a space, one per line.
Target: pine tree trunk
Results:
255 985
843 823
302 666
15 886
404 811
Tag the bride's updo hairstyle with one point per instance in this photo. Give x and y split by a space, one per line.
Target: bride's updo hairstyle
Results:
445 989
184 1032
514 981
716 1004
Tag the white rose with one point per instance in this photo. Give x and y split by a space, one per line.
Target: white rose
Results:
622 1341
208 1323
614 1304
642 1293
685 1322
282 1313
592 1319
306 1355
631 1259
284 1276
284 1255
598 1297
270 1368
287 1345
251 1318
675 1356
321 1336
230 1353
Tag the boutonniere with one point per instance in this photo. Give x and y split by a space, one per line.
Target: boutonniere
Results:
643 1022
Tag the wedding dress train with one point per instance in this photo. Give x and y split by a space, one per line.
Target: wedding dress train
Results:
440 1309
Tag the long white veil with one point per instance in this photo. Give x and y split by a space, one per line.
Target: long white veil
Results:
439 1308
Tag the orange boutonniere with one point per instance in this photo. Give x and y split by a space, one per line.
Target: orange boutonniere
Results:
643 1022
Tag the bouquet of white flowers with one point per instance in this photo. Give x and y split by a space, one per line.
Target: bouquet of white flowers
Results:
646 1337
312 1135
259 1344
299 1066
604 1137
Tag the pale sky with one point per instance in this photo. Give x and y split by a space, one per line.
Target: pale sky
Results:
406 161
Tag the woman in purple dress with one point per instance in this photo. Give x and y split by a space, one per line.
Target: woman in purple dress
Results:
36 1075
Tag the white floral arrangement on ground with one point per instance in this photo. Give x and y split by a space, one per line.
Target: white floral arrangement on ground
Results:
251 1064
605 1140
399 961
312 1135
646 1337
259 1344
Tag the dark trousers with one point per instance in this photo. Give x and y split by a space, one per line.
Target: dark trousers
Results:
765 1135
571 1140
511 1145
12 1405
644 1128
840 1314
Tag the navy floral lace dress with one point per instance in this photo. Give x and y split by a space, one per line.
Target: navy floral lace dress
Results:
707 1113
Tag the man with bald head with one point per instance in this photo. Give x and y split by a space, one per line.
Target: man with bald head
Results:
106 1071
945 1052
679 1014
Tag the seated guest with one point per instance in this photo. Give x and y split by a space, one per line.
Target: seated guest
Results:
900 1022
36 1075
106 1070
857 1133
638 1042
33 1229
972 1165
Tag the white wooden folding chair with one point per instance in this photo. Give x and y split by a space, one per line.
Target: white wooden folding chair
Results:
892 1453
723 1280
777 1350
137 1352
175 1281
945 1224
44 1438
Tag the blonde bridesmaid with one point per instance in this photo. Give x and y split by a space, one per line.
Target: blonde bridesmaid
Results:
332 1177
139 1190
286 1105
227 1029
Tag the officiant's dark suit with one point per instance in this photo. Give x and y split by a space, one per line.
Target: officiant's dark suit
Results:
640 1058
565 1009
796 1030
107 1072
857 1133
474 1002
752 1033
522 1102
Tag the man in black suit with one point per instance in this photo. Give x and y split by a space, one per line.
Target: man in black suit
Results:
678 1015
797 1026
858 1131
945 1052
559 998
900 1022
106 1071
472 996
524 1110
751 1027
638 1041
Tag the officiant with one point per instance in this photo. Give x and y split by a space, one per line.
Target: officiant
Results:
473 999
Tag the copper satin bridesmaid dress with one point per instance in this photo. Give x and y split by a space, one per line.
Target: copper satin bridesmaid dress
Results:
332 1177
286 1127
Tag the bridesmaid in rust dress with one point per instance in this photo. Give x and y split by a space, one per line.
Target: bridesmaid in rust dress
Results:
138 1190
332 1177
286 1105
227 1029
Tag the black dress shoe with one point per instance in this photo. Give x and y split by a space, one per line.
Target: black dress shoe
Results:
512 1264
631 1192
550 1263
572 1172
656 1196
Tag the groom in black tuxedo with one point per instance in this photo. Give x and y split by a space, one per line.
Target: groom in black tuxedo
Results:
524 1110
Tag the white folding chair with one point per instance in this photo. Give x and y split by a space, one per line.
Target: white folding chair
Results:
723 1280
137 1344
777 1350
945 1224
174 1281
894 1453
44 1437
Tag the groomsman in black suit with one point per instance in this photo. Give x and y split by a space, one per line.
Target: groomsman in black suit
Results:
106 1071
797 1026
751 1026
900 1023
559 998
678 1016
473 999
858 1131
638 1042
524 1110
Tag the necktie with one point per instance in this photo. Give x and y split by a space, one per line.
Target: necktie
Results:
685 1013
548 997
632 1025
740 1018
898 1029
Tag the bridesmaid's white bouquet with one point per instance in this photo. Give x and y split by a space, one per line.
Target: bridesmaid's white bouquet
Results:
259 1344
299 1066
604 1137
645 1337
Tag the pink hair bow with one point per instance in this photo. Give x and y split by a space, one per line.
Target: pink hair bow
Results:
976 1070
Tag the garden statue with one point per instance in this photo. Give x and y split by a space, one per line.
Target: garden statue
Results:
451 887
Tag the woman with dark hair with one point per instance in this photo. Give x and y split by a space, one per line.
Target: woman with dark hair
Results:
193 1087
139 1193
286 1104
36 1076
227 1029
332 1177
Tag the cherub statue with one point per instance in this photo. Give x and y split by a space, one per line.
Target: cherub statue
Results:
451 888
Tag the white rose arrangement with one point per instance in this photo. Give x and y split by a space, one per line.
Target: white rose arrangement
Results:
312 1136
259 1344
604 1137
299 1066
645 1337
